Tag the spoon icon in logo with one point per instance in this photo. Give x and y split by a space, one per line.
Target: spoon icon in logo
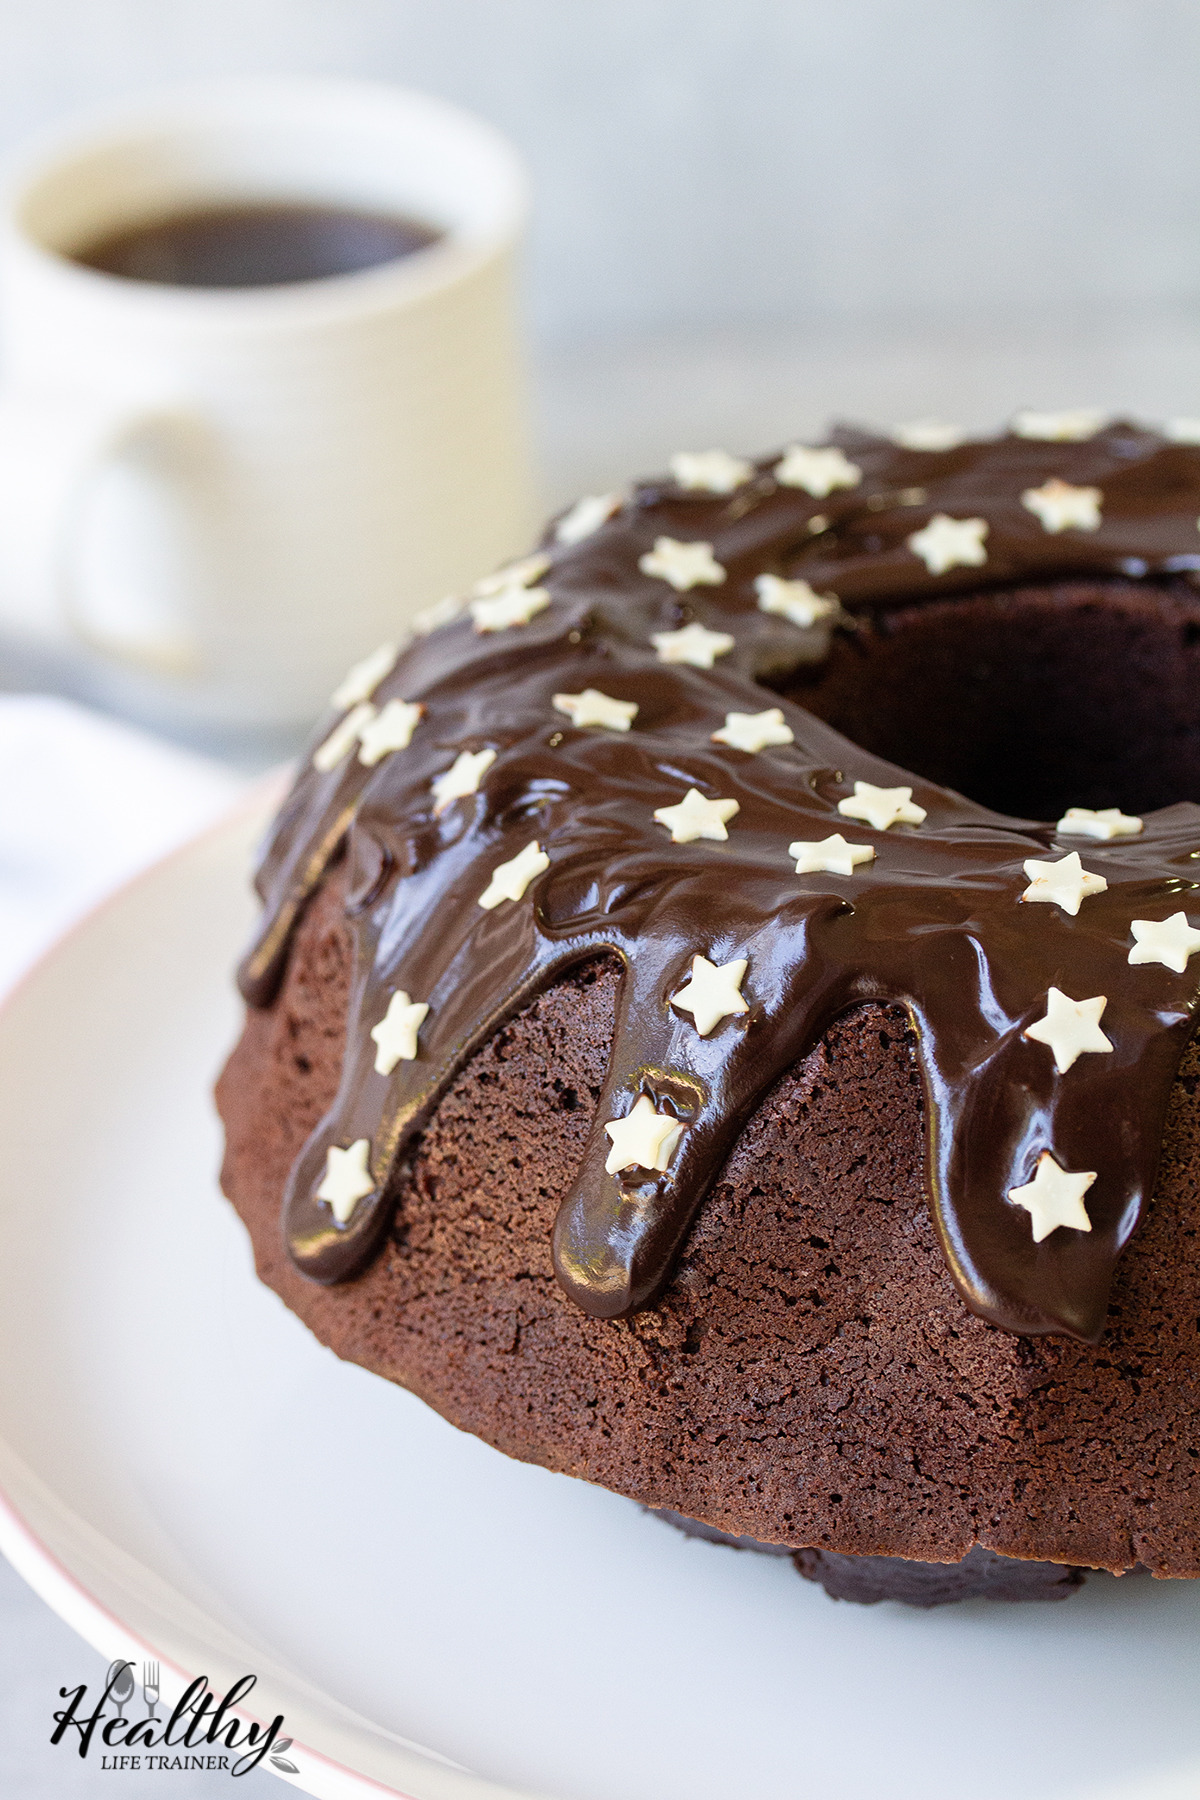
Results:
120 1682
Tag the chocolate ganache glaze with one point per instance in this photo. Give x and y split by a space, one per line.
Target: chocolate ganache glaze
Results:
935 921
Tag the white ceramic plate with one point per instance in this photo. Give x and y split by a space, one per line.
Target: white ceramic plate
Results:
186 1470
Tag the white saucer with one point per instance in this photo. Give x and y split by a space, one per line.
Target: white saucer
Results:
185 1470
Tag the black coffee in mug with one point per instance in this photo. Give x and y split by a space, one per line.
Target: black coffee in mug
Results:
263 244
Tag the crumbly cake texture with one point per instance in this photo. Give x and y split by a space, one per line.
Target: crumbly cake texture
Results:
810 1377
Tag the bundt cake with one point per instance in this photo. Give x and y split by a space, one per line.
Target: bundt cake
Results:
722 1020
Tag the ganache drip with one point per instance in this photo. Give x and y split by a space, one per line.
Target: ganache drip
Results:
935 922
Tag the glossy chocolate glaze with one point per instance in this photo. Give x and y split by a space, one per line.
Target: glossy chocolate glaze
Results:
935 922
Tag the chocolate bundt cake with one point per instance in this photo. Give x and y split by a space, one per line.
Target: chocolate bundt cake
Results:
722 1019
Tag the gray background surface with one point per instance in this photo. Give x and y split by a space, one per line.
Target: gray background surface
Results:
702 162
750 217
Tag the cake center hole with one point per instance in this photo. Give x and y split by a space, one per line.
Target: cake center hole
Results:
1029 701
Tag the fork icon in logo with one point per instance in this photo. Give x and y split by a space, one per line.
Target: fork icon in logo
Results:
150 1686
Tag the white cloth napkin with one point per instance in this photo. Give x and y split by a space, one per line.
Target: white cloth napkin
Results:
85 802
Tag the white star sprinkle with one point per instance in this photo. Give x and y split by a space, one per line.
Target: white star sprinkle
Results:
793 600
644 1139
510 880
696 817
342 738
1065 883
754 731
1054 1197
511 606
928 434
360 682
514 575
594 708
881 807
391 729
396 1033
1166 941
1061 507
832 856
946 542
1182 431
818 472
694 644
711 993
461 778
713 471
684 565
1070 1027
443 612
1059 427
587 515
1110 822
347 1179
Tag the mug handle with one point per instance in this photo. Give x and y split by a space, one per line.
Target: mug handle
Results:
51 446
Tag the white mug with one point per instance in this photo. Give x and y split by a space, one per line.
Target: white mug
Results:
214 499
